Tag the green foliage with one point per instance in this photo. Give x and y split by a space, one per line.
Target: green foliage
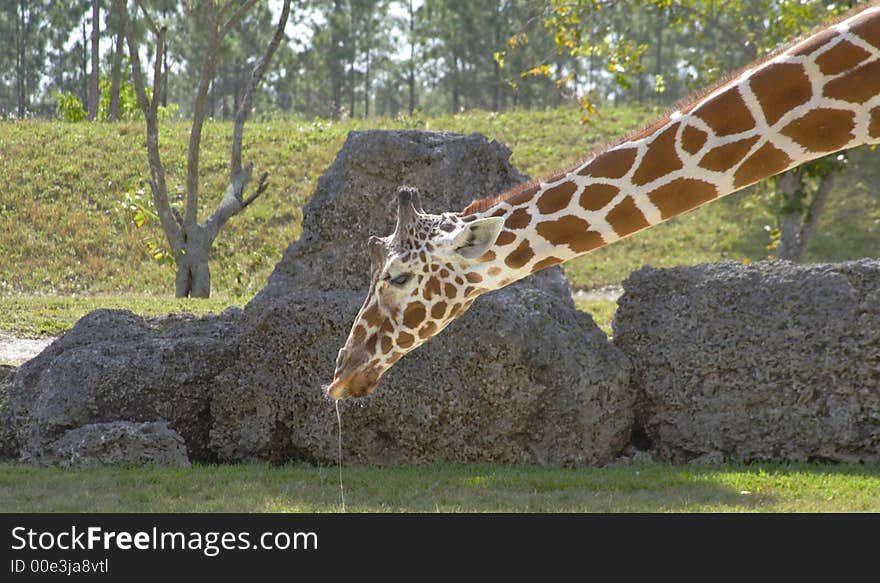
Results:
69 108
128 106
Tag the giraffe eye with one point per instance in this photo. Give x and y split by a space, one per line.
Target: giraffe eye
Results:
400 279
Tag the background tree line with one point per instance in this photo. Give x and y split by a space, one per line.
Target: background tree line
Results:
385 57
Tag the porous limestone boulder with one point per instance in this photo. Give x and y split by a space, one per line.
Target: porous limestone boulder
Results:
769 361
522 377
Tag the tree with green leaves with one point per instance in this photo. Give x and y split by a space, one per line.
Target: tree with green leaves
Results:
694 43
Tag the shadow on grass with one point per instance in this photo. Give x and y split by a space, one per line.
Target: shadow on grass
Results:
643 487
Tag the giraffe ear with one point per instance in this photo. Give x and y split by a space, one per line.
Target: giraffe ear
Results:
477 237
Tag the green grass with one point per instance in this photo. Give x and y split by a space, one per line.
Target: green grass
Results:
641 487
601 310
34 316
64 229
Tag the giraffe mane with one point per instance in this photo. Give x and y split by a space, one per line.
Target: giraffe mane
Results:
682 105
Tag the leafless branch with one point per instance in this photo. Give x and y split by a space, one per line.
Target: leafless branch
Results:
261 187
148 106
151 24
236 18
811 222
256 77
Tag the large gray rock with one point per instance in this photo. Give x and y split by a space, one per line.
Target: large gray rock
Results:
114 365
522 377
356 198
771 361
118 442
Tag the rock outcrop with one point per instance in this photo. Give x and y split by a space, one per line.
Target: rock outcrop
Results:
522 377
771 361
118 442
116 366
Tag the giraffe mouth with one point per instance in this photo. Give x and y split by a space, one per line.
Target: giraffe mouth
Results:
359 383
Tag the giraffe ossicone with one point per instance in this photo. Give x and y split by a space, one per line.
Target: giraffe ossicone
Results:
818 96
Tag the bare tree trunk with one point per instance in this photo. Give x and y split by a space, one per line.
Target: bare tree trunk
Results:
190 241
116 77
94 86
19 59
796 226
84 71
790 186
412 59
367 85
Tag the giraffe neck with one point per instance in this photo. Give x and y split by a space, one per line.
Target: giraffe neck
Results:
819 96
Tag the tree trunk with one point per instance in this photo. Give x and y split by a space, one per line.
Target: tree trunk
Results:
412 58
19 59
84 72
367 85
193 277
94 85
790 186
116 78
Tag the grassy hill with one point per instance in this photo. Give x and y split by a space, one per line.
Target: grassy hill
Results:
66 221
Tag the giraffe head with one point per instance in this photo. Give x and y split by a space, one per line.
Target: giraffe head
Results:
422 277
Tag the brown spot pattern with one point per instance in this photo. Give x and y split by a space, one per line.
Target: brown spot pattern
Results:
487 256
869 30
780 88
518 219
493 271
626 218
857 86
660 159
450 290
614 164
372 315
545 263
438 310
520 256
505 238
405 339
822 130
414 315
432 288
726 113
815 42
841 57
597 196
728 155
556 198
572 231
428 330
473 277
766 161
692 139
680 195
874 127
386 344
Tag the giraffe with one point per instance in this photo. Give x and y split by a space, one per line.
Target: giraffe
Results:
817 96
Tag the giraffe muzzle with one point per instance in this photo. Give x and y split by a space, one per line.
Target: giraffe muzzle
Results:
359 383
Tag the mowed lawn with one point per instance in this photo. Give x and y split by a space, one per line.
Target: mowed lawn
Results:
638 487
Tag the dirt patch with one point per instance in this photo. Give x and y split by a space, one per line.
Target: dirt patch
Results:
19 350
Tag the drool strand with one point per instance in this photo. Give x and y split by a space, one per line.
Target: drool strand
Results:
339 455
